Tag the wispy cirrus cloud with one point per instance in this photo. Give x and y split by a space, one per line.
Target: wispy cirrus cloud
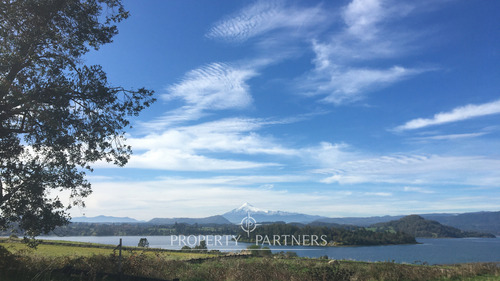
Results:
213 87
216 86
263 17
232 135
365 18
368 34
383 194
449 137
417 189
179 160
223 144
458 114
414 169
344 85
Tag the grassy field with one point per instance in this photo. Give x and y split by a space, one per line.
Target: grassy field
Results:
84 261
55 248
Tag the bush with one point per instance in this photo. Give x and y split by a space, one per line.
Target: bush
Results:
202 246
13 236
144 243
258 251
291 255
6 258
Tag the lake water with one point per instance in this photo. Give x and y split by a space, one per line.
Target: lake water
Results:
432 251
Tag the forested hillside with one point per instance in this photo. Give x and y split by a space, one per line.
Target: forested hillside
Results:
419 227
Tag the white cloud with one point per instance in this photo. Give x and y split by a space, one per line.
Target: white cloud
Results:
450 137
175 198
415 170
363 17
345 179
417 189
202 197
328 155
239 180
369 34
234 135
348 85
210 146
216 86
458 114
383 194
179 160
173 117
263 17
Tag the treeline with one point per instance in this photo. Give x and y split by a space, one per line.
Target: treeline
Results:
132 229
335 236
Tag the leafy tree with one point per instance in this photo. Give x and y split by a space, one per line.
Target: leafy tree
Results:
202 246
57 115
143 242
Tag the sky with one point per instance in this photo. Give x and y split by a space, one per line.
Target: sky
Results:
332 108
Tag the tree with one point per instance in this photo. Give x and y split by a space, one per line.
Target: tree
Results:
202 246
143 242
57 115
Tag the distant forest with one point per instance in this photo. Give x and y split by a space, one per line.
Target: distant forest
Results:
132 229
417 226
341 235
335 236
402 231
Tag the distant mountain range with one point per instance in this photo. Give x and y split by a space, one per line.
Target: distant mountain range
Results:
236 215
207 220
488 222
478 221
105 219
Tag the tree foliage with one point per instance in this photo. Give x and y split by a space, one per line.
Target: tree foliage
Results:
57 115
143 242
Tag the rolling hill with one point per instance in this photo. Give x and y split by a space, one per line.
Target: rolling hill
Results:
207 220
419 227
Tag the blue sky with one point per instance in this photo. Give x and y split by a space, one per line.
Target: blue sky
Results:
334 108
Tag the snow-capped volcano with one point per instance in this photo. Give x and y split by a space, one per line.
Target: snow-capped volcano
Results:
247 207
261 215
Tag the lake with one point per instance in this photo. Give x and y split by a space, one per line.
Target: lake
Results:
432 251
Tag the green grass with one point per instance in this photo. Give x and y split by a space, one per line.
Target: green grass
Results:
85 261
56 248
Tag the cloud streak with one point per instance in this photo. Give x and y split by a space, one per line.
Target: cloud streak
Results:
450 137
367 35
417 189
342 85
210 146
458 114
216 86
415 169
210 88
263 17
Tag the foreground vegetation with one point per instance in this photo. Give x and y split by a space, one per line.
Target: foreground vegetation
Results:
65 261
